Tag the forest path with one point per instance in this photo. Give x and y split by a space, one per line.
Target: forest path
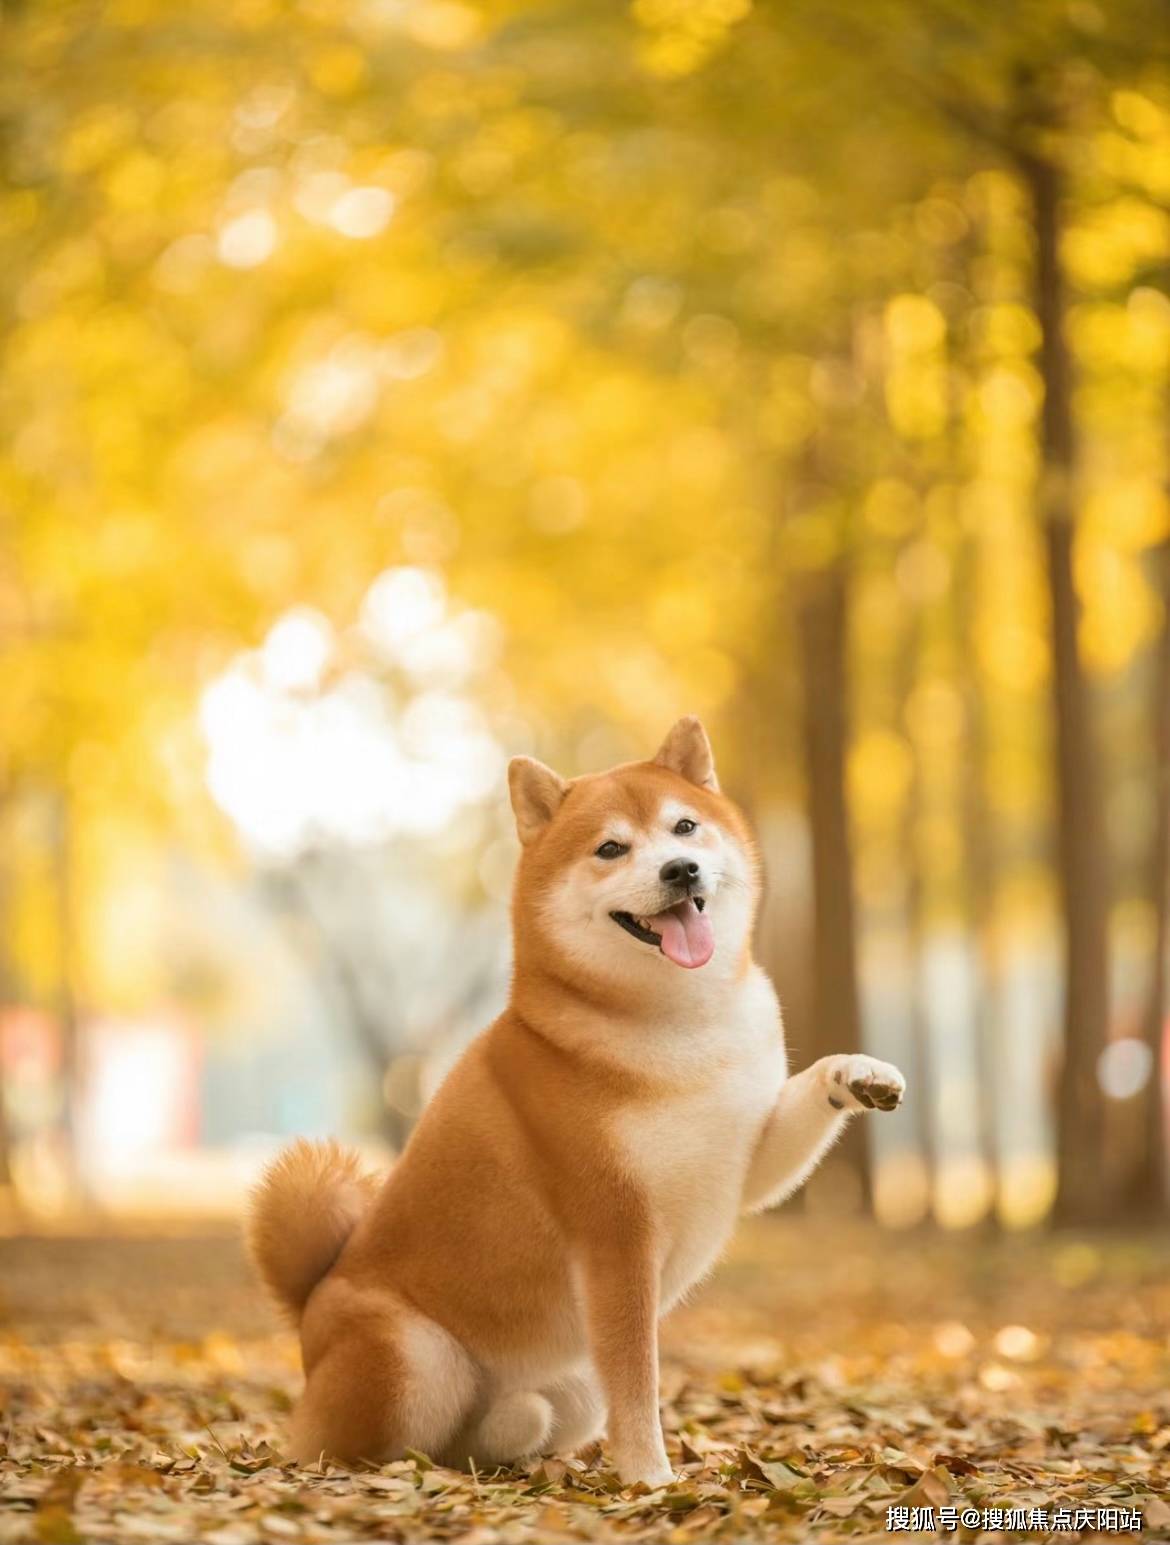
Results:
823 1375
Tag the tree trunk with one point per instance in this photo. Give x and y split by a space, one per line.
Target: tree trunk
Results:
784 927
1080 830
822 627
342 981
7 1001
979 836
1144 1190
921 1073
979 872
61 861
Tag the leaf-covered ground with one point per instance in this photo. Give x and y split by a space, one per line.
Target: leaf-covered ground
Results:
820 1378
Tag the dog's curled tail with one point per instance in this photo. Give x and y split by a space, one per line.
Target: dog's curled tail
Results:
300 1214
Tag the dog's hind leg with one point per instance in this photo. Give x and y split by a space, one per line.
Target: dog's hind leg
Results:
578 1412
522 1423
383 1384
514 1426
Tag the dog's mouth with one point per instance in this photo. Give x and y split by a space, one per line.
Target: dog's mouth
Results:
682 932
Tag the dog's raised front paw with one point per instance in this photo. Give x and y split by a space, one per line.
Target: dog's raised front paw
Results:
864 1083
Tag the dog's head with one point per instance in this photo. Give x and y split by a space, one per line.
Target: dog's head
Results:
643 870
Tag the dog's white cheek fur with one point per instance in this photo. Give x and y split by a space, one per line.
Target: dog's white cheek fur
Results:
576 911
441 1378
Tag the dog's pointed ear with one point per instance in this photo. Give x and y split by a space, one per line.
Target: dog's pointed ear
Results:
536 793
687 751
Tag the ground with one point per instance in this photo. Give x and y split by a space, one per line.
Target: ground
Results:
821 1377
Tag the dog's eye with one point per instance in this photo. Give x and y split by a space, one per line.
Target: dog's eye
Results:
612 849
685 827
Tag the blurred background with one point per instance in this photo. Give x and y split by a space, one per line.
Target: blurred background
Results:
395 386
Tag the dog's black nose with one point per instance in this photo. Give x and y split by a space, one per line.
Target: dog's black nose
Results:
679 871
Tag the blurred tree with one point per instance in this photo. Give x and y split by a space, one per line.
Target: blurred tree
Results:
1143 1188
1003 85
553 301
821 623
8 998
1081 839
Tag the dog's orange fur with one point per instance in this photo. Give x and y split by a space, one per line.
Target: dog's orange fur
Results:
579 1168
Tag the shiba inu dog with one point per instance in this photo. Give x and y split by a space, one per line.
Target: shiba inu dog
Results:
584 1162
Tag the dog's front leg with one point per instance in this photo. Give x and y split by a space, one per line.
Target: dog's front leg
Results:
809 1114
621 1296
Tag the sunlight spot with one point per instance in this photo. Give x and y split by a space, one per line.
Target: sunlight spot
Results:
248 240
953 1339
335 395
296 651
1124 1068
360 213
298 758
401 604
1017 1343
997 1379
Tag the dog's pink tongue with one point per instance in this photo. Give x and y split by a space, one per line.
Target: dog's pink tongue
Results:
687 936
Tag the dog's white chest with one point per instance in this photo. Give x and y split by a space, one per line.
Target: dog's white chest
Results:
689 1152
